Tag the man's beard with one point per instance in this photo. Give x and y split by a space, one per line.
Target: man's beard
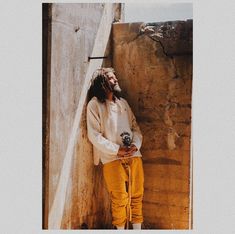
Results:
116 88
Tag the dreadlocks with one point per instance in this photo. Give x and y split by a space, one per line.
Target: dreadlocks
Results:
100 85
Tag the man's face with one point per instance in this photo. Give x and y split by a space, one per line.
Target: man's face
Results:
113 82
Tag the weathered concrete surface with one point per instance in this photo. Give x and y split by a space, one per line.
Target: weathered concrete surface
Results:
74 29
154 67
175 37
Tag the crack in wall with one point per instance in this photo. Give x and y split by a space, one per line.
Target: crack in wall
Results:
171 56
171 31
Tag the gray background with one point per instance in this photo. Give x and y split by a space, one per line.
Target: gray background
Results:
158 11
21 117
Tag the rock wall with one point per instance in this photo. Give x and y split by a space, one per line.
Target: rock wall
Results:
73 32
154 65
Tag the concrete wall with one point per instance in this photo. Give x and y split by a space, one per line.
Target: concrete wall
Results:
154 65
73 32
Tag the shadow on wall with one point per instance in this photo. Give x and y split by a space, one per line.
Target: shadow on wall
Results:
154 65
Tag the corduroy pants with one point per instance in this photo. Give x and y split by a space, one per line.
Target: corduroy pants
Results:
116 176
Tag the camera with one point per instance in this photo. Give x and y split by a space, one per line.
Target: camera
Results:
126 139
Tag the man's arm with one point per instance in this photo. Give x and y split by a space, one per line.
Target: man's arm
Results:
94 132
137 136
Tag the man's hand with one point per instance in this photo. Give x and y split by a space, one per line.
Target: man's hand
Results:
126 151
133 148
123 152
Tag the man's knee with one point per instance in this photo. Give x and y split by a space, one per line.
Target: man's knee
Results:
119 198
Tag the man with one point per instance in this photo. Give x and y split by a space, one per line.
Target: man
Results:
116 139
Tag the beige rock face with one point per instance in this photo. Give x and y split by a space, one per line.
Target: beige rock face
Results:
154 65
73 32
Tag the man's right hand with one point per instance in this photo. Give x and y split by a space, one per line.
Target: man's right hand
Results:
124 152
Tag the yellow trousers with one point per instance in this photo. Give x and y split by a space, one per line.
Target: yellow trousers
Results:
116 176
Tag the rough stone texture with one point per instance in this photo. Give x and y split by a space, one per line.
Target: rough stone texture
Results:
154 65
74 28
175 37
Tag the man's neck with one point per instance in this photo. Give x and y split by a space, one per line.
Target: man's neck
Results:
110 96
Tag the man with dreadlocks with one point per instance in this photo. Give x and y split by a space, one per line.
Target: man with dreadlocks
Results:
116 139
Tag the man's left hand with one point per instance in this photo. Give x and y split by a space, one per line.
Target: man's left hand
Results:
132 149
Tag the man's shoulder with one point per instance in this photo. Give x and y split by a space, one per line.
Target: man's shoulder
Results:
123 100
94 102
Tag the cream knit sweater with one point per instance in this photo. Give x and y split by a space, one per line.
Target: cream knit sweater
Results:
105 122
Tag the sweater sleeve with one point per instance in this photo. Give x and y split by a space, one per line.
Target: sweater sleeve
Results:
137 135
94 131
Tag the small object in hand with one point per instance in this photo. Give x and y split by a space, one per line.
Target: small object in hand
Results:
126 139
